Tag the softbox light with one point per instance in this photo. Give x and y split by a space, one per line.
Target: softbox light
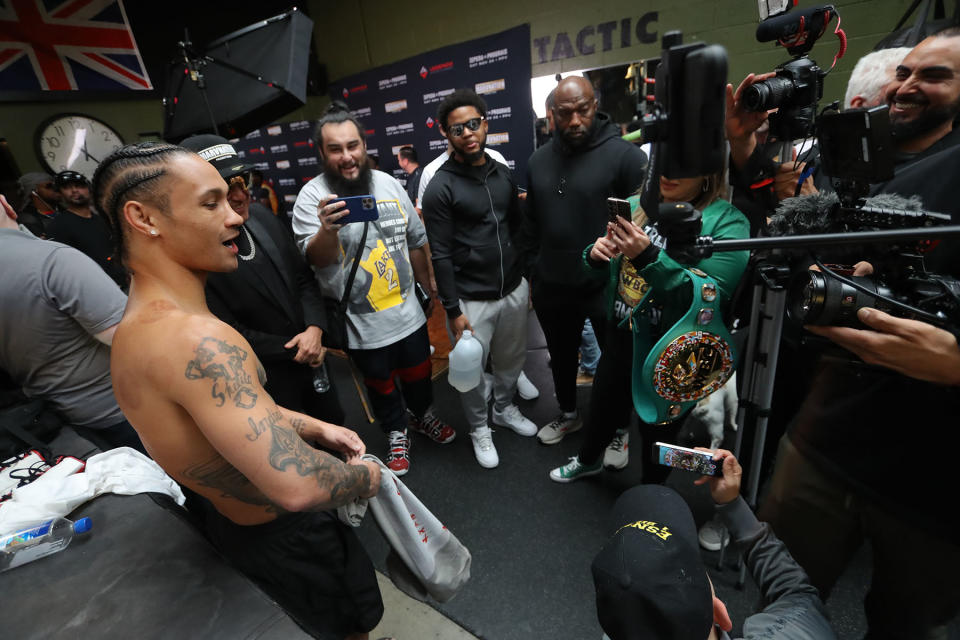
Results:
241 81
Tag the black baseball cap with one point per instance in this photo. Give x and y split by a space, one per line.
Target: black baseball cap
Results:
219 152
650 581
64 178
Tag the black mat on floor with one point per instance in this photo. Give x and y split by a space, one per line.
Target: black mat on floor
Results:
533 540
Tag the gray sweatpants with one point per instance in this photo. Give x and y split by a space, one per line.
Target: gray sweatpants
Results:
501 327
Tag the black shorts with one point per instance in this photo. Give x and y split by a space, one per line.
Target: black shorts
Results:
310 563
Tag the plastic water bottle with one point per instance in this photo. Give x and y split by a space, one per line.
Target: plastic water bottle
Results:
466 368
41 540
321 380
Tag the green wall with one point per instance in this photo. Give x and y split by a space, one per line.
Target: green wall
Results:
354 35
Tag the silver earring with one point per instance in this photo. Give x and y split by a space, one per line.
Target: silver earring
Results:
706 184
153 232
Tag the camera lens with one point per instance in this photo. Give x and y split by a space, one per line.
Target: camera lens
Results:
817 299
769 94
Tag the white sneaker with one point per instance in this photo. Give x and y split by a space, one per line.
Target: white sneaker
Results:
713 535
511 418
483 447
525 388
553 432
616 456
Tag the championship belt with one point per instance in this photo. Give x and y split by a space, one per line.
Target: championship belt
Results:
694 358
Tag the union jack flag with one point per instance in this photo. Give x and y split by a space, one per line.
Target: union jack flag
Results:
68 45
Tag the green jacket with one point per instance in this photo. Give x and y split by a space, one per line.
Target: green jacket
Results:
722 221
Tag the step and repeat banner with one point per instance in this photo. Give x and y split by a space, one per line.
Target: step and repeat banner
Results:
397 105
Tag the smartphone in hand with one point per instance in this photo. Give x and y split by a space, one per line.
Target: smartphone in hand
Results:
699 462
360 209
617 209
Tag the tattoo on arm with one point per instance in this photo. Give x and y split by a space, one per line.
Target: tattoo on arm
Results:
341 480
217 473
299 425
273 419
222 362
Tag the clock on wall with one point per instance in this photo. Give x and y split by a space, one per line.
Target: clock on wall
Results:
72 141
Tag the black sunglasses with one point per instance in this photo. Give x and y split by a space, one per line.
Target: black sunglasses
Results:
456 130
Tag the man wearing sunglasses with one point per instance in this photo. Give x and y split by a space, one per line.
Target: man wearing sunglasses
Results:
472 214
272 298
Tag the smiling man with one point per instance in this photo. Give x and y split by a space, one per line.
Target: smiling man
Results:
386 327
472 214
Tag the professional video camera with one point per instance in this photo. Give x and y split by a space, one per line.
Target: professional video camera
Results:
856 149
798 85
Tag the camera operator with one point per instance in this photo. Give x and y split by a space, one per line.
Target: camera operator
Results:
849 469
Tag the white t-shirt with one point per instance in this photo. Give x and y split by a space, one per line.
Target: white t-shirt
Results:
382 307
428 171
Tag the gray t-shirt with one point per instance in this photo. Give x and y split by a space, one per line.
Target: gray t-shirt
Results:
382 307
53 299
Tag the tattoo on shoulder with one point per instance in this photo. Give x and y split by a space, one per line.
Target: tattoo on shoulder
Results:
222 363
217 473
298 425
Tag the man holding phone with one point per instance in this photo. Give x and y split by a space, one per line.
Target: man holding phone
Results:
386 327
472 214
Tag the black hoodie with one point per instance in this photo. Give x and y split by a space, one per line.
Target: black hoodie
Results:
566 202
472 216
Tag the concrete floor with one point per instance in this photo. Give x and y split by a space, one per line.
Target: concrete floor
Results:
405 618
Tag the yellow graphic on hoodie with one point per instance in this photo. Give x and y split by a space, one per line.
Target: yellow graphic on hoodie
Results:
384 291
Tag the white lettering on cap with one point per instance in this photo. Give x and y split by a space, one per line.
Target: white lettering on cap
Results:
217 151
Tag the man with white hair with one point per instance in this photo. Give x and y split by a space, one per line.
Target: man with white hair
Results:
871 75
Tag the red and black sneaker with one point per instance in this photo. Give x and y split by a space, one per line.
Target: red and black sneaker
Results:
398 455
431 426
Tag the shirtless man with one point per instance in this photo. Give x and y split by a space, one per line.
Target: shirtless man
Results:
192 388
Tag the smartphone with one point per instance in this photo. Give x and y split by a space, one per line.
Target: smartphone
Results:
700 462
360 208
617 208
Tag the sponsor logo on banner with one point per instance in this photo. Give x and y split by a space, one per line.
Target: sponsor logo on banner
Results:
274 130
436 96
399 174
283 164
512 164
256 150
369 132
395 149
498 114
494 139
492 86
397 129
299 125
430 122
263 166
436 145
437 68
306 162
396 106
288 182
279 148
241 154
360 88
390 83
302 143
500 55
362 112
253 134
373 152
292 199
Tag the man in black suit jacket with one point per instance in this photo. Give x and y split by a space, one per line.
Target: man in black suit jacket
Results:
272 298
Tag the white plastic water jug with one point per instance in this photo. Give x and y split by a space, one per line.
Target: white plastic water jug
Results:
466 363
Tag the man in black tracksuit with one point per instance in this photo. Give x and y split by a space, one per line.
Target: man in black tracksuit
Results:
569 180
472 215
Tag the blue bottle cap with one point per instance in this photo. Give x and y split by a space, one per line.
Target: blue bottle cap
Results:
82 525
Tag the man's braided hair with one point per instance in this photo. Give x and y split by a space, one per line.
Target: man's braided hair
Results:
130 173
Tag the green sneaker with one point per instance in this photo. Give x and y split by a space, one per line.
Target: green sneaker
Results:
574 470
